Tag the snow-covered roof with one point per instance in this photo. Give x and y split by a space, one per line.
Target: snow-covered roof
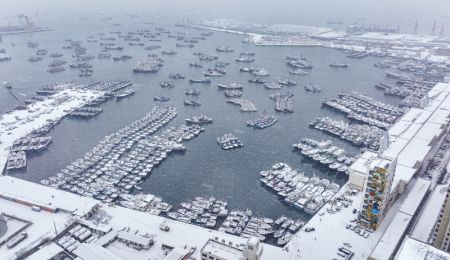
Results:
411 114
395 147
222 251
414 249
415 151
137 239
181 235
403 173
425 224
429 131
46 252
44 196
43 225
413 197
391 237
94 252
366 160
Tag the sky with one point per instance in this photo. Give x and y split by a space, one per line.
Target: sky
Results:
384 13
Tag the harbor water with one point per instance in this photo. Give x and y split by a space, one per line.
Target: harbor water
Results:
204 169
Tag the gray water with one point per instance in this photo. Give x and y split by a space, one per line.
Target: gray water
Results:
204 169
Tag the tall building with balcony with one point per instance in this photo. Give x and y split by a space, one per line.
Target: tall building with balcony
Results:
441 233
377 197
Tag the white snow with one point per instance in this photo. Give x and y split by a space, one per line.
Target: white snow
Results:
414 249
425 225
14 188
46 252
44 223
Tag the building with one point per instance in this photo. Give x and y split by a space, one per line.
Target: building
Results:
441 234
414 249
220 250
135 240
408 148
377 194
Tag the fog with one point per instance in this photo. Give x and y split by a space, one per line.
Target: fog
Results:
402 13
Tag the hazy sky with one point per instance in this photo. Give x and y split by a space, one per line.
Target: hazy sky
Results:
312 12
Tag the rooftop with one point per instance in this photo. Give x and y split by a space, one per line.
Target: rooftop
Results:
414 249
222 250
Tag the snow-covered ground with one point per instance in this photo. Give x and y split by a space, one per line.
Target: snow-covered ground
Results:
181 236
331 232
403 45
414 249
44 225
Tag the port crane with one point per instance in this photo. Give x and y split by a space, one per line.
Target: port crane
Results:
22 21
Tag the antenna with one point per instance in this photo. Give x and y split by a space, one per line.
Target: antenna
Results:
416 26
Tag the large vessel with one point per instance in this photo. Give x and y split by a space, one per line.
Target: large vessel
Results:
203 119
202 80
224 49
230 86
125 94
56 69
339 65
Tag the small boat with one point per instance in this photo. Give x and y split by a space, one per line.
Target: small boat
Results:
7 85
195 65
161 98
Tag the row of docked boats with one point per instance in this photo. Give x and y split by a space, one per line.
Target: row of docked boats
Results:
283 101
229 141
192 92
245 105
312 87
214 72
365 109
255 71
16 160
324 152
85 112
149 203
298 190
119 163
233 93
262 120
31 143
243 223
298 62
201 211
151 65
358 134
